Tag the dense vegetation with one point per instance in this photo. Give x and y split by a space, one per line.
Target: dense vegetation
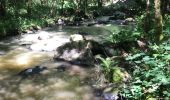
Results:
17 16
148 63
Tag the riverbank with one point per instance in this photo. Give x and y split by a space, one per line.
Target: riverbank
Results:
14 26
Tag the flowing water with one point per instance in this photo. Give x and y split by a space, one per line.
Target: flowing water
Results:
29 50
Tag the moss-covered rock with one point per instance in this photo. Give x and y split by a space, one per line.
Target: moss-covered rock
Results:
119 75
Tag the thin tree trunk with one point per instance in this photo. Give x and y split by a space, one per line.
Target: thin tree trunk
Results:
29 7
158 29
147 18
62 7
85 6
164 6
2 8
99 3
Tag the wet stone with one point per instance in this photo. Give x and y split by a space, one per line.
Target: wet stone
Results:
31 71
76 52
109 96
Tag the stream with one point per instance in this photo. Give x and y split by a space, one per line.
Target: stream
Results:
38 49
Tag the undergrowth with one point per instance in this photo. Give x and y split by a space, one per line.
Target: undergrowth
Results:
151 74
149 69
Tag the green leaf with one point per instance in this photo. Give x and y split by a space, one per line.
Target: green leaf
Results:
153 88
167 48
167 57
146 58
138 62
135 56
136 33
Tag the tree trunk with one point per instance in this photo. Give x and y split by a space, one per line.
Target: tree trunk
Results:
158 29
85 6
147 18
2 8
29 7
62 7
99 3
164 6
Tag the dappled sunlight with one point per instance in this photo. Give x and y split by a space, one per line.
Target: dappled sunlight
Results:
42 35
20 58
50 38
78 70
44 40
52 86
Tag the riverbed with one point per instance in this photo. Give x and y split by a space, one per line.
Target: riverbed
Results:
38 49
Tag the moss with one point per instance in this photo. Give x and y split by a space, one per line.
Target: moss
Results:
117 75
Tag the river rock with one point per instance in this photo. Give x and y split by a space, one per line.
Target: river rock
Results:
76 52
79 50
36 27
110 96
44 35
77 37
128 20
31 71
119 15
120 75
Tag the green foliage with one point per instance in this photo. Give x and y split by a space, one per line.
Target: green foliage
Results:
20 24
23 15
109 69
124 35
150 75
106 65
144 25
166 26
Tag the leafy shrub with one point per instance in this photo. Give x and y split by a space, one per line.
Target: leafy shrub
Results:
166 26
106 65
112 72
108 68
151 74
124 35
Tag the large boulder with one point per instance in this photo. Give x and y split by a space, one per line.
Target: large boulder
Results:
79 50
75 52
119 15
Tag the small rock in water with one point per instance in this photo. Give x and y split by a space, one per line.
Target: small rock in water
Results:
36 27
2 52
60 22
77 37
62 68
31 71
110 96
82 33
98 92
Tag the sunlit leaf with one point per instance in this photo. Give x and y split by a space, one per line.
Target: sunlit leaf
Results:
167 47
167 57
